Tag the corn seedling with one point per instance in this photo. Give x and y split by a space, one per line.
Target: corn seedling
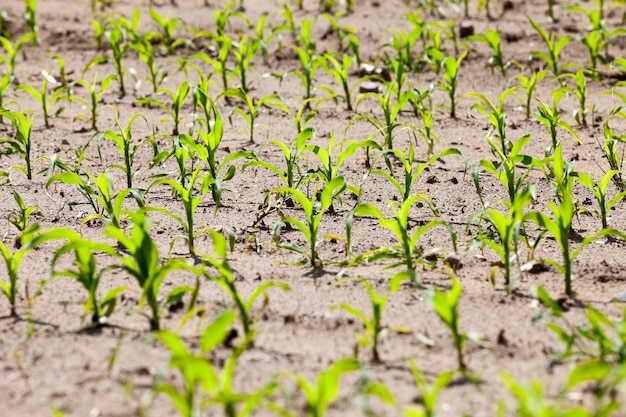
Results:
599 190
428 394
143 263
313 212
166 35
580 114
321 394
446 307
610 150
529 84
5 82
341 32
211 142
403 44
309 62
555 47
178 100
450 79
374 329
224 278
411 171
12 51
117 38
497 117
561 227
125 147
190 203
42 97
157 74
505 233
245 50
88 274
505 170
550 117
407 249
21 143
30 19
391 112
292 175
19 219
426 131
341 73
271 100
263 40
95 96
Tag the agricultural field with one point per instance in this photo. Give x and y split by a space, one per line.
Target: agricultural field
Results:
397 208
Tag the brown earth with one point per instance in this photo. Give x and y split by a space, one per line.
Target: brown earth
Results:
47 362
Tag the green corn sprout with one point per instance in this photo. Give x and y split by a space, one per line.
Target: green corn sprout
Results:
5 82
245 50
21 144
224 278
117 38
428 394
313 211
30 19
178 100
550 117
291 155
555 47
496 114
529 84
374 330
142 262
407 249
157 74
506 234
321 394
20 218
600 189
166 36
610 149
341 73
271 100
450 79
94 97
190 203
125 148
446 307
426 130
308 60
46 102
580 114
12 51
341 32
86 272
561 227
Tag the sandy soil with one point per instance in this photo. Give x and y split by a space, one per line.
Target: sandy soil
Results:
47 361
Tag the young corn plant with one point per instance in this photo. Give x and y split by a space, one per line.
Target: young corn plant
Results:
580 114
125 147
374 329
407 249
5 82
191 198
554 46
450 79
600 190
411 171
322 393
30 18
492 39
118 39
446 307
45 102
391 108
91 104
157 74
292 175
271 100
12 51
21 144
561 227
166 35
504 236
313 211
178 100
20 219
610 150
204 385
87 273
141 260
341 72
428 394
309 62
245 51
497 117
224 278
529 84
550 117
